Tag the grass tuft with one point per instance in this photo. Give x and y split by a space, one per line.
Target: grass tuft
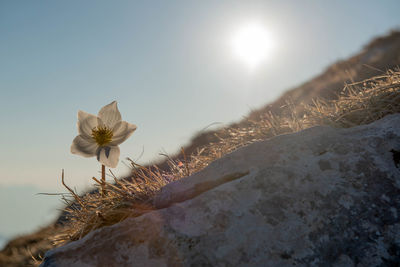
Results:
122 199
359 103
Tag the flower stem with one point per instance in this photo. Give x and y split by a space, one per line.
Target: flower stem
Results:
103 180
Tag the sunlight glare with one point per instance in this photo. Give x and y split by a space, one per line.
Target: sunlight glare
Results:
252 44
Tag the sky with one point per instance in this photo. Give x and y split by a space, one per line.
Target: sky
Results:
169 65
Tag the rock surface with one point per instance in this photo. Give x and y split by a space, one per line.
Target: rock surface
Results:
319 197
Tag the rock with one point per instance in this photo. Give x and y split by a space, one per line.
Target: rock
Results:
319 197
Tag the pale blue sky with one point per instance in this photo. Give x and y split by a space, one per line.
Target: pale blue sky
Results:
167 63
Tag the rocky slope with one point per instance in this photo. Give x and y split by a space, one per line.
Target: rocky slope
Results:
319 197
381 54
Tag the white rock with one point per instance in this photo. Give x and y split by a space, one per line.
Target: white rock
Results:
300 199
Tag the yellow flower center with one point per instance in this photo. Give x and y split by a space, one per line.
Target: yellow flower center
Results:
102 135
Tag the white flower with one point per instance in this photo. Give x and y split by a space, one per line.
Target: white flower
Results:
100 135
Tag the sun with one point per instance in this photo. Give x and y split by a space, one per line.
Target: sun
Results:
252 44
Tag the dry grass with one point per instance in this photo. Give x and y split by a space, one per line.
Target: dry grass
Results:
27 250
359 103
122 199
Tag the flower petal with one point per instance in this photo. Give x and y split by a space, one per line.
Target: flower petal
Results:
110 115
84 147
121 131
86 122
108 155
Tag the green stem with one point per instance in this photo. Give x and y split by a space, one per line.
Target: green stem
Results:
103 180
